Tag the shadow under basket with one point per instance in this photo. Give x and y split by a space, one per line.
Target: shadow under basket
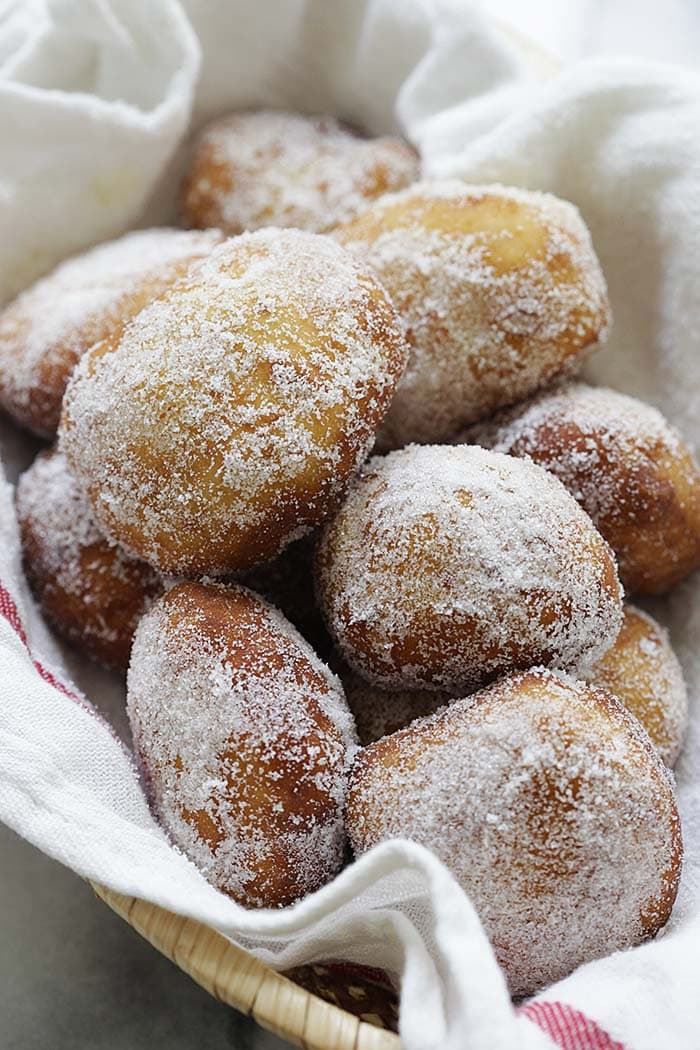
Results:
329 1006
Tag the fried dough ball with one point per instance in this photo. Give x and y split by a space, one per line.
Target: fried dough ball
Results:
228 417
625 464
287 582
642 671
499 291
549 805
47 329
244 739
272 168
88 589
449 566
379 712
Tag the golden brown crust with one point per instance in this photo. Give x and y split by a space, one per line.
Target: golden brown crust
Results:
655 528
629 469
287 582
499 290
551 807
89 590
47 329
244 737
642 671
447 567
208 447
381 712
272 168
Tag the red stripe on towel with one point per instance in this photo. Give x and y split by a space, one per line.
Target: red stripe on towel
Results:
569 1028
10 612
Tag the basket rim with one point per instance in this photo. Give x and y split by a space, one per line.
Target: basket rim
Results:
237 978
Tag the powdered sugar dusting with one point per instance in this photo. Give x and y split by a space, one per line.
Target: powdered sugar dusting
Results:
238 405
626 466
48 491
287 582
46 330
549 805
499 289
245 739
643 672
273 168
448 566
90 590
379 712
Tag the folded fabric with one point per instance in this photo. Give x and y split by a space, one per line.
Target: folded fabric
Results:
95 101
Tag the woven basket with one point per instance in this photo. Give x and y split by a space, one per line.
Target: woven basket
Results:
277 1002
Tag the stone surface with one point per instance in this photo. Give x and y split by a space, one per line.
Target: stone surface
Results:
74 976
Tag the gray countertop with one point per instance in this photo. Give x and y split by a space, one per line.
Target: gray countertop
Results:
73 975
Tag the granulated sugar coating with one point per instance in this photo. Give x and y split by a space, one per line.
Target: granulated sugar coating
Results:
379 712
48 328
287 582
273 168
238 405
448 566
628 468
91 592
642 671
245 740
499 291
550 806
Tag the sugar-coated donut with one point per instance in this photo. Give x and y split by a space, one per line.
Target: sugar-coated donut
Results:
379 712
499 290
627 467
89 590
448 566
551 807
642 671
287 582
228 417
244 739
271 168
47 329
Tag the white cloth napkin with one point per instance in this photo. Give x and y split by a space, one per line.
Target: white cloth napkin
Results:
96 97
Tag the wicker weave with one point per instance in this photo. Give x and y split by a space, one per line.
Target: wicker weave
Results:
235 977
